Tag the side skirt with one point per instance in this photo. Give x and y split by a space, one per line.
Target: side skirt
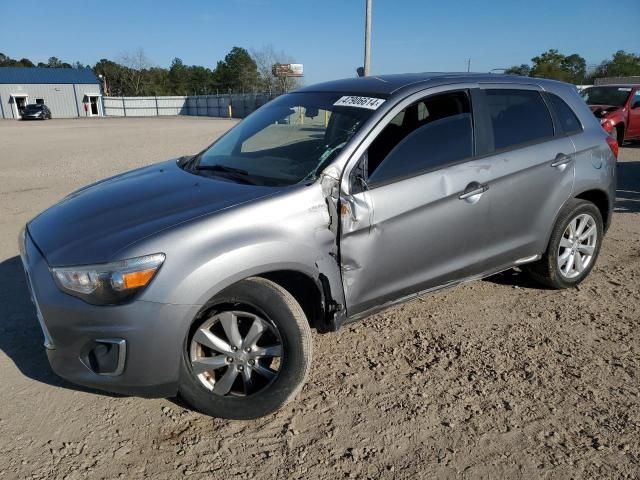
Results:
455 283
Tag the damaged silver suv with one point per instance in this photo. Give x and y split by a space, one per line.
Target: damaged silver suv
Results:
204 276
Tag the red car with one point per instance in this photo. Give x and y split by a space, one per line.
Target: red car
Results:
617 107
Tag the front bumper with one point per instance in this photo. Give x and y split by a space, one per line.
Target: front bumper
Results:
149 336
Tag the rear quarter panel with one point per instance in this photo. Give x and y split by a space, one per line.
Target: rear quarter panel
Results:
595 164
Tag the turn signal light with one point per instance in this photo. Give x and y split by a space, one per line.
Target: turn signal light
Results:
137 279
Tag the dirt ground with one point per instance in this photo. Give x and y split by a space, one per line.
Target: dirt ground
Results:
495 379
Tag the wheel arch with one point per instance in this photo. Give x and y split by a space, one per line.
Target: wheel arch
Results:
318 296
312 294
598 197
601 200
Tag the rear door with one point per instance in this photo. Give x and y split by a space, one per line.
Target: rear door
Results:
531 172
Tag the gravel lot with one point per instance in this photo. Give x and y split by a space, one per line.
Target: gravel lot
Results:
495 379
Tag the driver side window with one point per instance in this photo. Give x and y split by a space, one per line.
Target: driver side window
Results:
429 134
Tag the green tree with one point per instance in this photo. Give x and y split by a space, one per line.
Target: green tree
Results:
575 67
200 80
114 74
238 72
178 77
158 82
553 64
523 70
54 62
6 61
621 64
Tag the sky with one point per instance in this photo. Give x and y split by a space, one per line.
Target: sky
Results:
327 36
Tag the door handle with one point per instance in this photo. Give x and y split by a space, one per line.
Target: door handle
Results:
473 189
561 159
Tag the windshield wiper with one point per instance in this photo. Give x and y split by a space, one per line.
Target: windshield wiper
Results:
236 173
222 168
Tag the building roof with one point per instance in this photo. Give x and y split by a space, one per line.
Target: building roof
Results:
621 81
26 75
625 85
390 84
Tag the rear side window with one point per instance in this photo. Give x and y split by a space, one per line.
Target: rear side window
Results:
518 117
567 119
427 135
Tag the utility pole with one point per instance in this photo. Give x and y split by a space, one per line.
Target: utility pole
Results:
367 39
468 65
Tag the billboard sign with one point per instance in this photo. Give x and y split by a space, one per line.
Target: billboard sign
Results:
287 70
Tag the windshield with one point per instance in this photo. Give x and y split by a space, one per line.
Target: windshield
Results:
289 140
33 107
614 96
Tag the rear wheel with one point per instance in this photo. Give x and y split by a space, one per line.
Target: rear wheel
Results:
249 355
618 134
573 248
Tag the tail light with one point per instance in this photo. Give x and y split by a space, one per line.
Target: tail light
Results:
613 145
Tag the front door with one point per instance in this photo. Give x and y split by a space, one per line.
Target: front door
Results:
633 129
94 106
416 215
19 102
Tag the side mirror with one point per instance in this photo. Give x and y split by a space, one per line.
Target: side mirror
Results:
311 112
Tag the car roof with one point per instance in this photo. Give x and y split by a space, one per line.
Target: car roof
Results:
391 84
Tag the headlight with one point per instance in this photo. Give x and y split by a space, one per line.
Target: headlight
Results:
109 283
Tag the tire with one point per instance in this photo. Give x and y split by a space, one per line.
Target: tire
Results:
253 393
618 134
556 269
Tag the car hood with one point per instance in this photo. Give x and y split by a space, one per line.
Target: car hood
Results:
601 111
94 223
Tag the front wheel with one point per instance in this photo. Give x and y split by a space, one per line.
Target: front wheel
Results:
573 247
249 354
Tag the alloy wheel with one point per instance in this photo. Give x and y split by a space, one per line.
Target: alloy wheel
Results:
577 246
236 353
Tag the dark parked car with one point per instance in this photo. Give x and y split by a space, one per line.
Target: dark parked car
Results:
204 276
36 111
618 109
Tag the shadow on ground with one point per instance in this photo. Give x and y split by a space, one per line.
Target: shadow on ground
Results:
515 278
21 338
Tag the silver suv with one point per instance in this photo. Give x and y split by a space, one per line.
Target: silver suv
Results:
204 276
